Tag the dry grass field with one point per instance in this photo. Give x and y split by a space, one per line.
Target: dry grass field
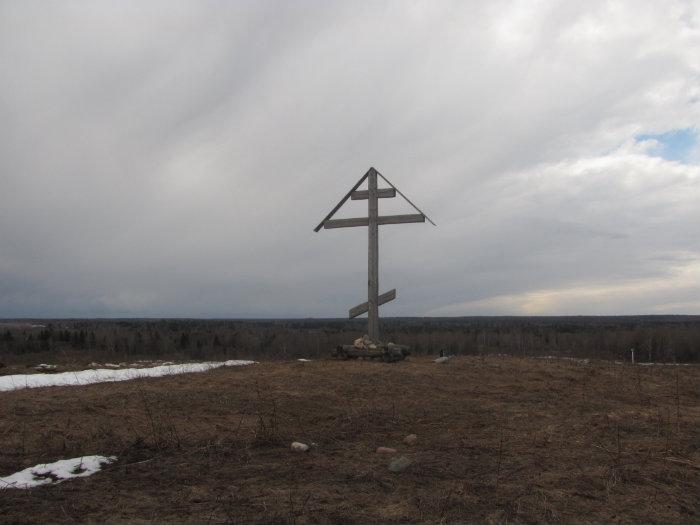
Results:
500 440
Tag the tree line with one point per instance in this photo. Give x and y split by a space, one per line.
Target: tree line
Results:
654 338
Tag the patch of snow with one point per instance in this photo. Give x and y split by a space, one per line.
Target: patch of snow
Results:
44 366
655 364
665 364
110 365
87 377
51 473
147 363
303 360
573 359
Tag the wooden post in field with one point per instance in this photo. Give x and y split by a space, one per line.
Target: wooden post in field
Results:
373 220
373 259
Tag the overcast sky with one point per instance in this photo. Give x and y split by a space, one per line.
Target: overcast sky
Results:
172 158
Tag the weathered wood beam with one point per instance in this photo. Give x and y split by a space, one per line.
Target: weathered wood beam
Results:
362 308
373 258
364 221
400 219
342 201
384 193
406 198
346 223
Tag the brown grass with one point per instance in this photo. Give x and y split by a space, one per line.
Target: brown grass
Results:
501 440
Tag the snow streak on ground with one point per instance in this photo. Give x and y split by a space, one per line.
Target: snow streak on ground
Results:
87 377
56 472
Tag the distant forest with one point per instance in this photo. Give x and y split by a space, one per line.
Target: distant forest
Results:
655 338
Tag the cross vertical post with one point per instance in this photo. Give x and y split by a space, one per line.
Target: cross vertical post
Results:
373 259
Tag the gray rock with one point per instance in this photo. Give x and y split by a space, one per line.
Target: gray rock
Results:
299 447
400 464
411 439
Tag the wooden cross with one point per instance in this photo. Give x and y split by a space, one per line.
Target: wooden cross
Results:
372 221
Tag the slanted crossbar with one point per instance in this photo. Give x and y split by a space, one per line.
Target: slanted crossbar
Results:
364 307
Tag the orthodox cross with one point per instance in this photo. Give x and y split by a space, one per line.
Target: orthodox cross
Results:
372 221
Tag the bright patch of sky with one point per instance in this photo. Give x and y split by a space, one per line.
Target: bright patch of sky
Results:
680 145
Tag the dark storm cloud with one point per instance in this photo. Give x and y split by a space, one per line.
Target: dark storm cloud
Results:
172 158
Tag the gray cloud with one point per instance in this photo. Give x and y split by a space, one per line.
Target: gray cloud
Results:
172 158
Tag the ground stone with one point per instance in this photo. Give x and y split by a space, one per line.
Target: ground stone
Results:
400 464
299 447
411 439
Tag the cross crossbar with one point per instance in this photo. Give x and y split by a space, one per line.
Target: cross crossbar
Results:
401 219
382 193
405 198
364 221
342 201
362 308
346 223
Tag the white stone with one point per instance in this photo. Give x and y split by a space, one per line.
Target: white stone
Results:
299 447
